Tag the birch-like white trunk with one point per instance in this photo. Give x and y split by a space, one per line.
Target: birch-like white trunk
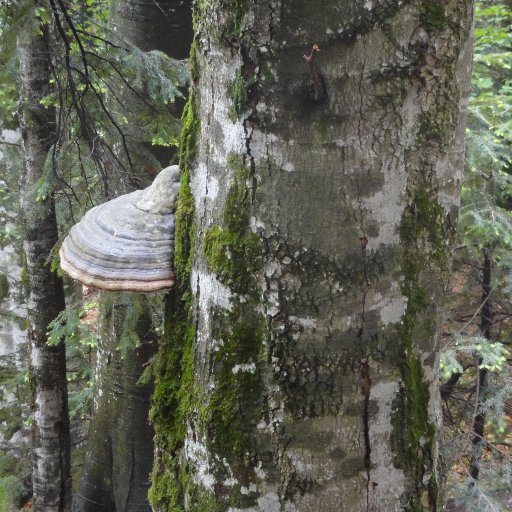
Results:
322 204
51 477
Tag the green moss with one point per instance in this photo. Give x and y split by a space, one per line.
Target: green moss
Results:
423 221
231 256
23 323
165 491
173 400
232 24
237 91
413 433
431 127
185 229
233 406
423 240
4 287
185 209
175 395
193 62
25 278
189 132
233 253
235 11
205 501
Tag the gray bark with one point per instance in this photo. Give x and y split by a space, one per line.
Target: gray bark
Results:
51 437
14 399
325 196
165 26
119 445
120 426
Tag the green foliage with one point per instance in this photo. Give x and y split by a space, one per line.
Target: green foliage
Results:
474 362
111 99
13 395
12 18
490 355
487 192
73 325
76 326
14 419
160 76
12 489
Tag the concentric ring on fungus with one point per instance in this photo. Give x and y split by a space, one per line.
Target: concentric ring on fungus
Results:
126 244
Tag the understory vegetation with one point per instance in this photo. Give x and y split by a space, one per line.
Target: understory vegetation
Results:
476 364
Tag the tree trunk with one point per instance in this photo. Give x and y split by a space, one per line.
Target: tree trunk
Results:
120 440
165 26
486 316
317 210
51 437
120 427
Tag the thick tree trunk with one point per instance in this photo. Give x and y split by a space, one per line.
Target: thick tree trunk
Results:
120 427
51 437
301 368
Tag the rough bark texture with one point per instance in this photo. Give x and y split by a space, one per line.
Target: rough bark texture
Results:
318 202
51 438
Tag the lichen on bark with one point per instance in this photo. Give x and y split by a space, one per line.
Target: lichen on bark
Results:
321 245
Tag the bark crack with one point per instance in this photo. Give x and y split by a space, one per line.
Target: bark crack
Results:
363 239
271 29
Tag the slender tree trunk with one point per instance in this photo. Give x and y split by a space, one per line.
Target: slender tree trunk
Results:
486 314
51 437
318 204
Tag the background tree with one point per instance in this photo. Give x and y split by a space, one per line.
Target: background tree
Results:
51 476
478 380
14 393
127 338
315 220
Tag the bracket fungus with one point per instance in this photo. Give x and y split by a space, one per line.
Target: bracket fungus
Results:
126 244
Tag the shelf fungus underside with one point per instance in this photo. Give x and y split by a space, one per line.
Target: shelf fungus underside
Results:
126 244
